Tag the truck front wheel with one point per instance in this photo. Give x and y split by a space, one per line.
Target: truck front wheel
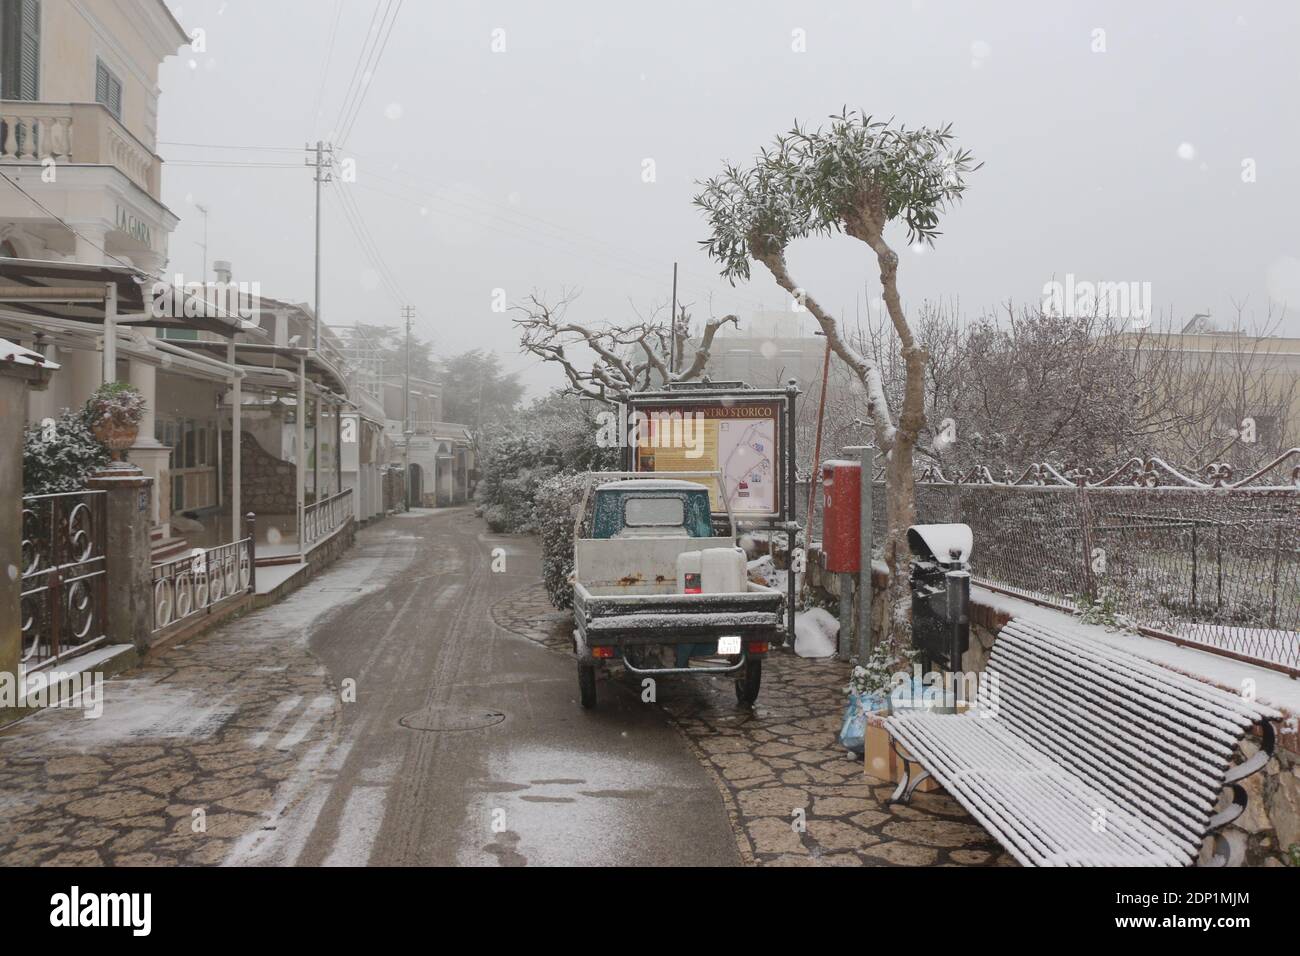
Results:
747 684
587 685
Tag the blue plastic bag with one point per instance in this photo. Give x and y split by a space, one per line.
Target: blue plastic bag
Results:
853 733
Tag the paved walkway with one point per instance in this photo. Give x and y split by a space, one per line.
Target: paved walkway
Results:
184 761
783 756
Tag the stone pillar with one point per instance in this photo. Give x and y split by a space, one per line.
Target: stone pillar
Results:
91 240
128 512
83 371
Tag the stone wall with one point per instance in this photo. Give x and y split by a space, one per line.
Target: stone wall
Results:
268 485
1266 834
322 555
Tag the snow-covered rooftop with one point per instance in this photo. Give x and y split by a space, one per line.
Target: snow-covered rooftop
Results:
16 354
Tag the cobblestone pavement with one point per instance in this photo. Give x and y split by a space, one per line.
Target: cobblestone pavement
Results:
195 749
783 756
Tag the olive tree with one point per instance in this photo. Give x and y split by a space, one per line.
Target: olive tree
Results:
854 176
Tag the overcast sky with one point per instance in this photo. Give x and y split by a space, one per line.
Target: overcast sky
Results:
523 169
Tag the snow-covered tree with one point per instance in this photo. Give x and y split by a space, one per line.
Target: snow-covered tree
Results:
633 357
854 176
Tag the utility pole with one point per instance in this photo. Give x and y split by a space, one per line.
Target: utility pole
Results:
672 359
204 209
323 163
407 312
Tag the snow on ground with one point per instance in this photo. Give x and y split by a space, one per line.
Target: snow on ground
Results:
815 631
763 571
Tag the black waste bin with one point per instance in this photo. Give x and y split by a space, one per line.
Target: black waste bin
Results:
940 582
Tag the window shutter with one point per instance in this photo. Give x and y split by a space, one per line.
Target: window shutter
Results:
108 89
20 49
101 84
29 50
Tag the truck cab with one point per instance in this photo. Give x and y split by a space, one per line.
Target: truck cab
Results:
659 591
656 508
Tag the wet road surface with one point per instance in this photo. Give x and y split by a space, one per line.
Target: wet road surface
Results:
465 743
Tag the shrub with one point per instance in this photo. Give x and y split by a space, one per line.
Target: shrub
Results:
557 506
60 453
555 436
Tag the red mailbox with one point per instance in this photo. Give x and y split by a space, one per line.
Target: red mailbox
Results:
841 501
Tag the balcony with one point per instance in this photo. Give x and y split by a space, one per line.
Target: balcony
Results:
86 133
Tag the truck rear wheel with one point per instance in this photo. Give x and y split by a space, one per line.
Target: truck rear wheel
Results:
747 684
587 685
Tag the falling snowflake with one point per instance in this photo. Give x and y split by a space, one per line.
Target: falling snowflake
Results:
393 111
1186 151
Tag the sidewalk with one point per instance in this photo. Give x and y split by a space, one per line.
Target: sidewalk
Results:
220 723
783 756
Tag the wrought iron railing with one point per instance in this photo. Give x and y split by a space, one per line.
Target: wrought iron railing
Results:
200 581
321 518
1211 560
64 574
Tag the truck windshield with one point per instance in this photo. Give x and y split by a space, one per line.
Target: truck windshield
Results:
653 513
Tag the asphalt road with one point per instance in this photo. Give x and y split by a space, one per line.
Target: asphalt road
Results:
465 744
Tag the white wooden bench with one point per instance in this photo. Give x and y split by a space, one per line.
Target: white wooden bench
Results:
1083 755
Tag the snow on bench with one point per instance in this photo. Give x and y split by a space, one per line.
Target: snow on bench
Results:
1080 754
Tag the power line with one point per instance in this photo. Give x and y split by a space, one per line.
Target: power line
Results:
520 231
377 257
627 262
329 57
372 49
228 164
372 67
602 244
275 149
368 250
356 69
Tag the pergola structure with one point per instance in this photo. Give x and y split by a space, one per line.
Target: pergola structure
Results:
305 376
83 308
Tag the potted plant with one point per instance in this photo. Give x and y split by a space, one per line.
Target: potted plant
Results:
114 413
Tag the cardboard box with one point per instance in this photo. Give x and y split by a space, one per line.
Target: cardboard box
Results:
881 763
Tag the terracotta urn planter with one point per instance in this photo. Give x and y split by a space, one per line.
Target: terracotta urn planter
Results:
114 412
117 437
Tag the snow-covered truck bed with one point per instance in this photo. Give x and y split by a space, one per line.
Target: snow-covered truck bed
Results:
629 603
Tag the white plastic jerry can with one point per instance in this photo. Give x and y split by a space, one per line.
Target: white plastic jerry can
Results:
723 571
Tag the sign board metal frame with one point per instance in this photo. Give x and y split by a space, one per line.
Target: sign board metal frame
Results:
696 395
723 401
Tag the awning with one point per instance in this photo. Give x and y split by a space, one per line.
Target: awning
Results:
279 357
76 291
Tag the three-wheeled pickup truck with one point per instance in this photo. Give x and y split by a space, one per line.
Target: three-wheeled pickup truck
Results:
656 590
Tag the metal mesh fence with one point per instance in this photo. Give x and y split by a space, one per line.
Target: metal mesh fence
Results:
1214 566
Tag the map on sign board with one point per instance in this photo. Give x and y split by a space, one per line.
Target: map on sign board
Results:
738 439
